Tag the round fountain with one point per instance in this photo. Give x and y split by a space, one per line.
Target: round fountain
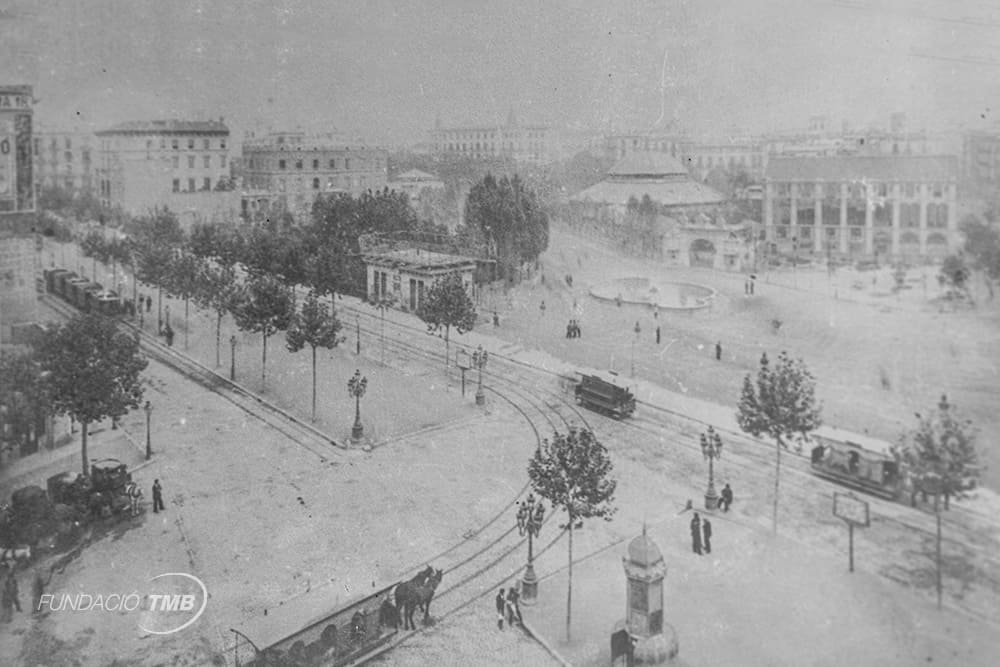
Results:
665 295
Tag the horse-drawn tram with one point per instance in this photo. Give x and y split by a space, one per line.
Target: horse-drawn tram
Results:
604 395
867 464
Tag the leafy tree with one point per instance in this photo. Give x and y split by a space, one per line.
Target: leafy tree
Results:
157 238
183 280
447 304
982 243
781 404
316 327
941 453
264 306
93 371
510 216
954 275
572 471
218 291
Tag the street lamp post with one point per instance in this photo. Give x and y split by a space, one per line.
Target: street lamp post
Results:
711 449
356 387
232 358
357 320
382 304
148 409
530 516
479 358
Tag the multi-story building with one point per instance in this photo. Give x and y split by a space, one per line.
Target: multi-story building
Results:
896 207
698 156
19 255
291 168
981 160
150 163
64 159
531 143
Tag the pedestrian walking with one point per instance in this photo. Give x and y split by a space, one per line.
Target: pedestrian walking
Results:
168 333
37 589
727 498
157 496
6 606
513 609
696 534
718 351
10 588
542 307
496 319
706 531
149 303
657 334
501 602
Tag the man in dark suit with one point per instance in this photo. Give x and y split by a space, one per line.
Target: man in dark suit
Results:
696 534
501 602
706 529
157 496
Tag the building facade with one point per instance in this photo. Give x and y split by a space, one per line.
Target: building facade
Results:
981 159
289 169
529 143
895 207
403 276
64 159
147 164
415 181
699 157
17 191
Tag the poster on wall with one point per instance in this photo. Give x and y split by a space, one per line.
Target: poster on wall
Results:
8 173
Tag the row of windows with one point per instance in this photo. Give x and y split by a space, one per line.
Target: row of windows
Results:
53 144
175 144
67 156
472 136
855 190
206 161
206 184
909 215
283 164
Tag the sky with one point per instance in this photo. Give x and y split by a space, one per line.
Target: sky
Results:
386 71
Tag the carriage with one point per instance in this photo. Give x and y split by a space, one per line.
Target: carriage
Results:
601 395
103 494
864 463
85 294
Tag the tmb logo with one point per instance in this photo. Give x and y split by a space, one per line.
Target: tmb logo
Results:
177 600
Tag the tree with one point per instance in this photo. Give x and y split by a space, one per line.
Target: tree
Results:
182 280
218 291
158 237
572 472
93 371
982 243
264 306
510 216
447 304
781 405
23 404
316 327
940 453
954 275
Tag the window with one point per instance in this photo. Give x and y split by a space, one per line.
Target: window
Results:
68 156
177 161
315 164
149 144
190 162
206 183
222 144
207 144
298 164
69 143
163 143
333 164
909 189
174 144
177 185
347 162
937 190
190 185
36 145
191 143
315 184
208 161
222 162
281 164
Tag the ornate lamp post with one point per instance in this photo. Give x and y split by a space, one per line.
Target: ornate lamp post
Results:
356 387
479 358
530 515
711 449
148 409
232 358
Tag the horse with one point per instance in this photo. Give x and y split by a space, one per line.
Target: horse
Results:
409 596
133 493
15 556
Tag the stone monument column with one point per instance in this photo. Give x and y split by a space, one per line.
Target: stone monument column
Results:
654 641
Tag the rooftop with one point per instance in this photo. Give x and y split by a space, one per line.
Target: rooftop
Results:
416 175
171 126
876 167
419 258
647 164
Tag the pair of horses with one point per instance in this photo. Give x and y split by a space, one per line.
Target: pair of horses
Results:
417 592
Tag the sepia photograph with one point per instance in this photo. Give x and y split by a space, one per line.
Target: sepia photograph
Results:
600 333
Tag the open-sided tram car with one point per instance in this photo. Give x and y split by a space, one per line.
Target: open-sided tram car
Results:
863 463
598 394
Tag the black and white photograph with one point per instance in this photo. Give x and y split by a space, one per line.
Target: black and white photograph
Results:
580 332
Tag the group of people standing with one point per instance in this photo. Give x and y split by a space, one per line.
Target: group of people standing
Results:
507 607
701 529
573 329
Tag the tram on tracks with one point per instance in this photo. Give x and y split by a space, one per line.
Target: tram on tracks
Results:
605 396
86 295
864 463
